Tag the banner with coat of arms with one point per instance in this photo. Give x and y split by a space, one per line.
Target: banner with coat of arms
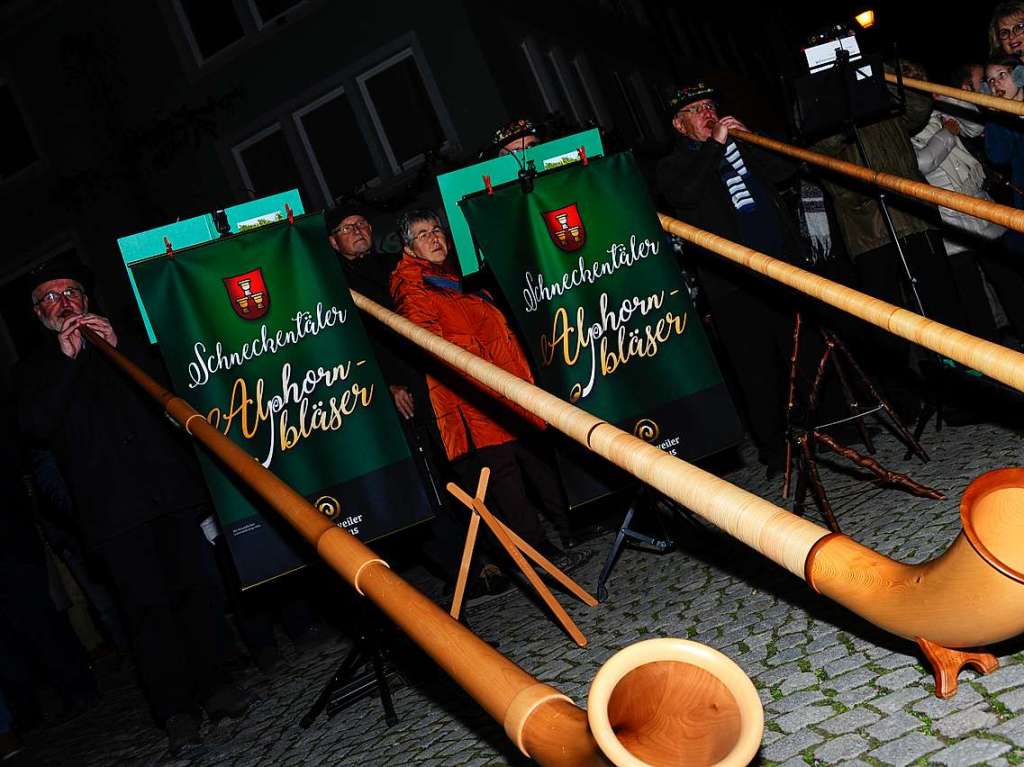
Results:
259 333
594 286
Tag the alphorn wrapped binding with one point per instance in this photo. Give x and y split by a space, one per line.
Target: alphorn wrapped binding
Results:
659 702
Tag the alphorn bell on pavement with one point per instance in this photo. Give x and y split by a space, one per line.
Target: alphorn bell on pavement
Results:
660 702
971 596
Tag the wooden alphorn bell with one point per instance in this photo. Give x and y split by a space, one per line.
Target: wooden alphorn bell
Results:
659 702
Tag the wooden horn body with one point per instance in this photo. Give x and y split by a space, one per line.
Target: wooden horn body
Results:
544 724
972 595
981 99
1010 217
997 362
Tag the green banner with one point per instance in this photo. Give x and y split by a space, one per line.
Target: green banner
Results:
593 283
260 334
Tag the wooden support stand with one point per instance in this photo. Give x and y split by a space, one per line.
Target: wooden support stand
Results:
947 665
801 440
516 547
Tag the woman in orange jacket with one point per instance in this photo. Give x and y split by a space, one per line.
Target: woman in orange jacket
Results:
478 428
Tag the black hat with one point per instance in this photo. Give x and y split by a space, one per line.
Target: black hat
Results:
62 267
683 97
516 129
341 211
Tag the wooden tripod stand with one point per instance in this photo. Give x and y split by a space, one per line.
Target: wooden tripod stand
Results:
516 547
802 439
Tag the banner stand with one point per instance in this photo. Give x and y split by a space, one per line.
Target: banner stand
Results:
353 681
640 501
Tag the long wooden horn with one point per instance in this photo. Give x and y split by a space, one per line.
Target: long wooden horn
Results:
997 362
1009 217
667 699
970 596
981 99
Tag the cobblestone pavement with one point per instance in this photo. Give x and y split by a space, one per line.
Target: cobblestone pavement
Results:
835 689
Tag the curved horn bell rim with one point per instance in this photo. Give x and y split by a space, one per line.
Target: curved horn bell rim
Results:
673 701
992 514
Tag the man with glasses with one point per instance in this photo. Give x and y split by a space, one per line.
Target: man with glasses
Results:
368 271
138 500
712 182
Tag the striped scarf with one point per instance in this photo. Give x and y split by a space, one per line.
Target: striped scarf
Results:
733 170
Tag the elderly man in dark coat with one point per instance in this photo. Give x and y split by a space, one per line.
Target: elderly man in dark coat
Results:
138 501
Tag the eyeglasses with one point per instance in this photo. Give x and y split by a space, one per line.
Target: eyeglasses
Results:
696 109
1005 33
50 297
430 233
349 228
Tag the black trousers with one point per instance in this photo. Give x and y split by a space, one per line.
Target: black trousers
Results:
882 276
513 465
756 337
37 639
165 580
1003 264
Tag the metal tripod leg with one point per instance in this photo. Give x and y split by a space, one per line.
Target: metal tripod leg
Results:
625 531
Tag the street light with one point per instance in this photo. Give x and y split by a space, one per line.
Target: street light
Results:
866 19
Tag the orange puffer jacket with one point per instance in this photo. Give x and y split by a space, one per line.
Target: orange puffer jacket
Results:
467 416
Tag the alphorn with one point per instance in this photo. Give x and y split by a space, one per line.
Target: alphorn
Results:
973 595
1009 217
997 362
659 702
981 99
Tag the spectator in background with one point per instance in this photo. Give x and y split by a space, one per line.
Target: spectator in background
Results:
947 164
1006 30
870 244
1004 144
478 429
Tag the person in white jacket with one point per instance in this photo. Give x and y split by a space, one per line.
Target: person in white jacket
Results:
970 241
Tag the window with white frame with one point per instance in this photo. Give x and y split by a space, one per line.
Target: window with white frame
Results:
630 108
401 110
210 26
591 89
266 163
16 150
267 11
541 75
335 145
571 89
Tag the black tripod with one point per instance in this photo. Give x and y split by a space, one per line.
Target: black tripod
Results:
364 671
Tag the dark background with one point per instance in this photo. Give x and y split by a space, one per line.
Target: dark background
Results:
121 116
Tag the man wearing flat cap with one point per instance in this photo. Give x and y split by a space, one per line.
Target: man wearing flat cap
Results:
138 502
713 183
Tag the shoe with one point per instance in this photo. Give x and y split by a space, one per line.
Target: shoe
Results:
227 702
182 734
10 745
492 581
572 560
